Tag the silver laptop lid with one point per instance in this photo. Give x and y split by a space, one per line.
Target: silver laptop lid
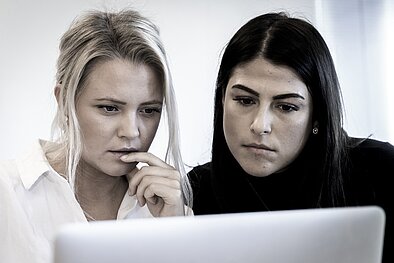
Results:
340 235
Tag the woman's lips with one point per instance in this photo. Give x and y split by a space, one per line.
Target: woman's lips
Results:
259 149
119 153
259 146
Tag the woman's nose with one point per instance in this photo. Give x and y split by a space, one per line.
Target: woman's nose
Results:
262 121
129 126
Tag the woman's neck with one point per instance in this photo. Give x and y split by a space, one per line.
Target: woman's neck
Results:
99 194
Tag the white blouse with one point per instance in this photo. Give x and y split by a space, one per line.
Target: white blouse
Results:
34 202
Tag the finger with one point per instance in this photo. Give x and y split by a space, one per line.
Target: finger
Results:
169 185
154 171
150 197
144 157
156 192
153 200
132 173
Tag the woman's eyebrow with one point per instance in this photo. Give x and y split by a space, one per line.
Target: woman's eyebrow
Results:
249 90
152 102
116 101
113 100
276 97
288 95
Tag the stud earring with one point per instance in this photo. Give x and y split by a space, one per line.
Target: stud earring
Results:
315 130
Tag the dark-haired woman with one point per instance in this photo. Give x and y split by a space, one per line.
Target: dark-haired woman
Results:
278 140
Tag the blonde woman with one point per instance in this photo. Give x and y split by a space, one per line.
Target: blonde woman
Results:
113 83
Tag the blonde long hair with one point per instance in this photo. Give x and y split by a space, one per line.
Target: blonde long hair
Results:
93 37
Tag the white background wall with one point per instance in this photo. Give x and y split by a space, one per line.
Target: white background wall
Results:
361 37
194 34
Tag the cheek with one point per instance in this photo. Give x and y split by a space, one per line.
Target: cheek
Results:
94 131
231 119
235 128
296 135
148 132
227 125
230 128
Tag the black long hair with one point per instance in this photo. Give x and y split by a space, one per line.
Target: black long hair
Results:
294 43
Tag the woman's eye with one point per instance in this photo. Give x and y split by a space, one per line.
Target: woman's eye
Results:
287 107
109 109
151 111
245 101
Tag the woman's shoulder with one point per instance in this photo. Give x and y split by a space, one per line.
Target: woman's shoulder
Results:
5 167
9 172
200 173
373 143
202 169
204 197
373 150
372 157
26 167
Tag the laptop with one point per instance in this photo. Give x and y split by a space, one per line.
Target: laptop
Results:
351 235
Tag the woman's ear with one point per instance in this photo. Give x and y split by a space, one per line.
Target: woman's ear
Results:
315 129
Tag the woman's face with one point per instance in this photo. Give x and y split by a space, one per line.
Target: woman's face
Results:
119 111
267 116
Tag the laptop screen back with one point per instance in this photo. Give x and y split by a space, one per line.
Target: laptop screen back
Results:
351 235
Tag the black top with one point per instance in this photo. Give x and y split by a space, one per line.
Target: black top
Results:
367 183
